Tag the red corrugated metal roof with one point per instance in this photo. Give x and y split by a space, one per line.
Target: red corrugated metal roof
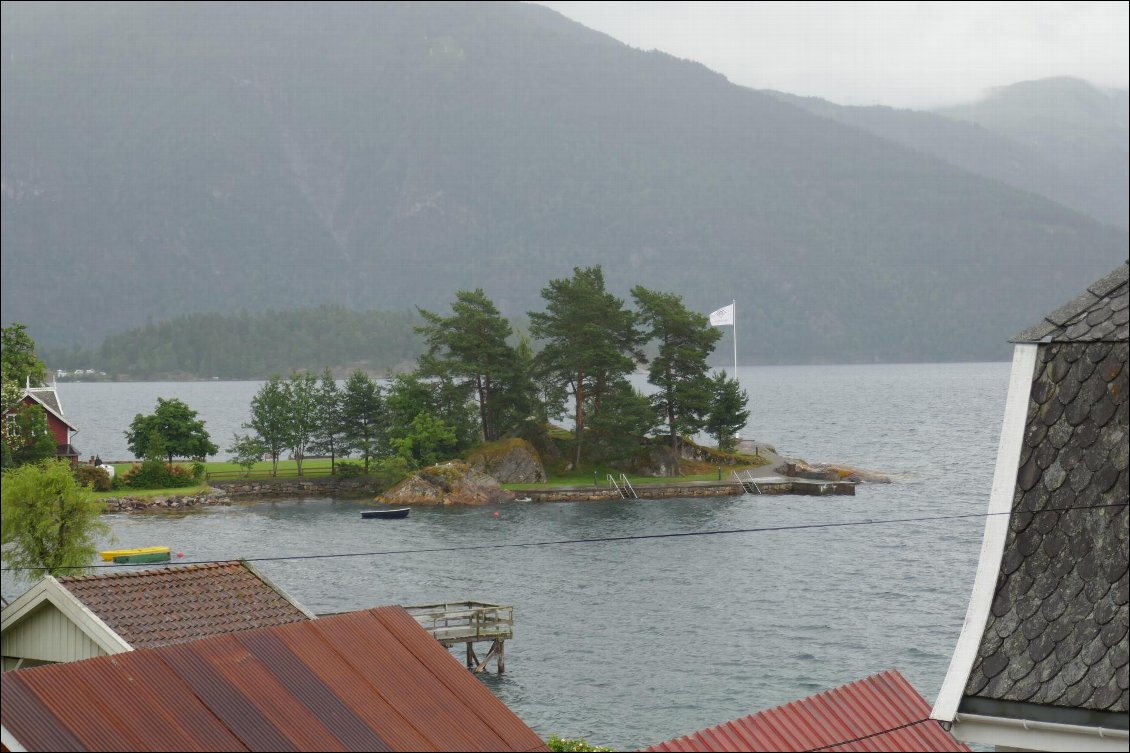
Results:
878 713
174 604
372 680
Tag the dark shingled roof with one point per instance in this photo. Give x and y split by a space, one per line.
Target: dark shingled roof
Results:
48 397
1101 313
1057 631
177 604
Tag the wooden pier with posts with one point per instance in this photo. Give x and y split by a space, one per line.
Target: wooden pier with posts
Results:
469 622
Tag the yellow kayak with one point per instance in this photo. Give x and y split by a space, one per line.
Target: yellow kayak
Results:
110 554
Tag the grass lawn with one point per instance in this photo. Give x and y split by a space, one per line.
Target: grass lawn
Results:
320 467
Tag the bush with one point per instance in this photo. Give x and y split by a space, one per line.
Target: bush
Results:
158 475
346 469
93 476
571 745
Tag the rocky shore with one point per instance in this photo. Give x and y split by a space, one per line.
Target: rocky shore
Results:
477 482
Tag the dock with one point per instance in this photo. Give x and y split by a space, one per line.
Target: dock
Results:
735 487
469 622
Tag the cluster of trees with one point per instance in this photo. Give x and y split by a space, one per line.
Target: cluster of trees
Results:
48 520
412 422
247 346
479 381
24 433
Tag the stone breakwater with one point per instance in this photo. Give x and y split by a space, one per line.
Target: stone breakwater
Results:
226 492
172 502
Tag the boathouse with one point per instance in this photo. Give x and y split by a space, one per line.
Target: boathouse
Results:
882 712
69 619
1041 662
368 680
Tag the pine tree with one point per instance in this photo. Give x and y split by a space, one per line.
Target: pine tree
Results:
679 370
590 342
728 412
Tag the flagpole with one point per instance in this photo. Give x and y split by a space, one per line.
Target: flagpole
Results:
734 306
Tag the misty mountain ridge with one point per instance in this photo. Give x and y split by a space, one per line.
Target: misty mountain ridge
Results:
174 158
1062 138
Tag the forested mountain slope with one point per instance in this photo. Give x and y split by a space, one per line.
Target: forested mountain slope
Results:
169 158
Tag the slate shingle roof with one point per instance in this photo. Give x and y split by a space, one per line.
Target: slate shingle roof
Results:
1100 313
48 397
1057 630
177 604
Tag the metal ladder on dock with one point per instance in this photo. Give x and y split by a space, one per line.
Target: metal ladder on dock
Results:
748 484
623 485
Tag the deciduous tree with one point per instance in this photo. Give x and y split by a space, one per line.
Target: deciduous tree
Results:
18 362
184 435
330 437
28 436
271 418
50 521
303 415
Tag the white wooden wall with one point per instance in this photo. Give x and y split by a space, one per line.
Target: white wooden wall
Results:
46 635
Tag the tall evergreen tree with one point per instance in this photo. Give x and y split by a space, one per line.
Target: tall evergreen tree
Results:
330 437
470 348
589 342
679 369
364 416
271 418
728 412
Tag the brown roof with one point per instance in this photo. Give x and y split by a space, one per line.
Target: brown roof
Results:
176 604
371 680
880 712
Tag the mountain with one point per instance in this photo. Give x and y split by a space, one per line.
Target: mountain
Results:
1061 138
166 158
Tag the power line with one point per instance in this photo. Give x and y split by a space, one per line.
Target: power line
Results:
600 540
868 736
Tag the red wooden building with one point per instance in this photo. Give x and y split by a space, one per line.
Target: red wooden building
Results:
61 428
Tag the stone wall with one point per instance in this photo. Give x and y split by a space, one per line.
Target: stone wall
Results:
327 486
223 493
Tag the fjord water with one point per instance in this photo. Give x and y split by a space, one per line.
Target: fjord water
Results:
630 643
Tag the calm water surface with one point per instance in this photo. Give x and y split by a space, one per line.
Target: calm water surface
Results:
631 643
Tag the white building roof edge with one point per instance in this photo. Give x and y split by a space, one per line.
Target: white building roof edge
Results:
49 589
1026 734
996 531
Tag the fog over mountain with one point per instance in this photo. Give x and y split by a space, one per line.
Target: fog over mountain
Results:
159 159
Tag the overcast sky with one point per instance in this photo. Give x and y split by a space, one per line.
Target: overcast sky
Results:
900 54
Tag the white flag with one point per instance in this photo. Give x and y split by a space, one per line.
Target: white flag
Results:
723 316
